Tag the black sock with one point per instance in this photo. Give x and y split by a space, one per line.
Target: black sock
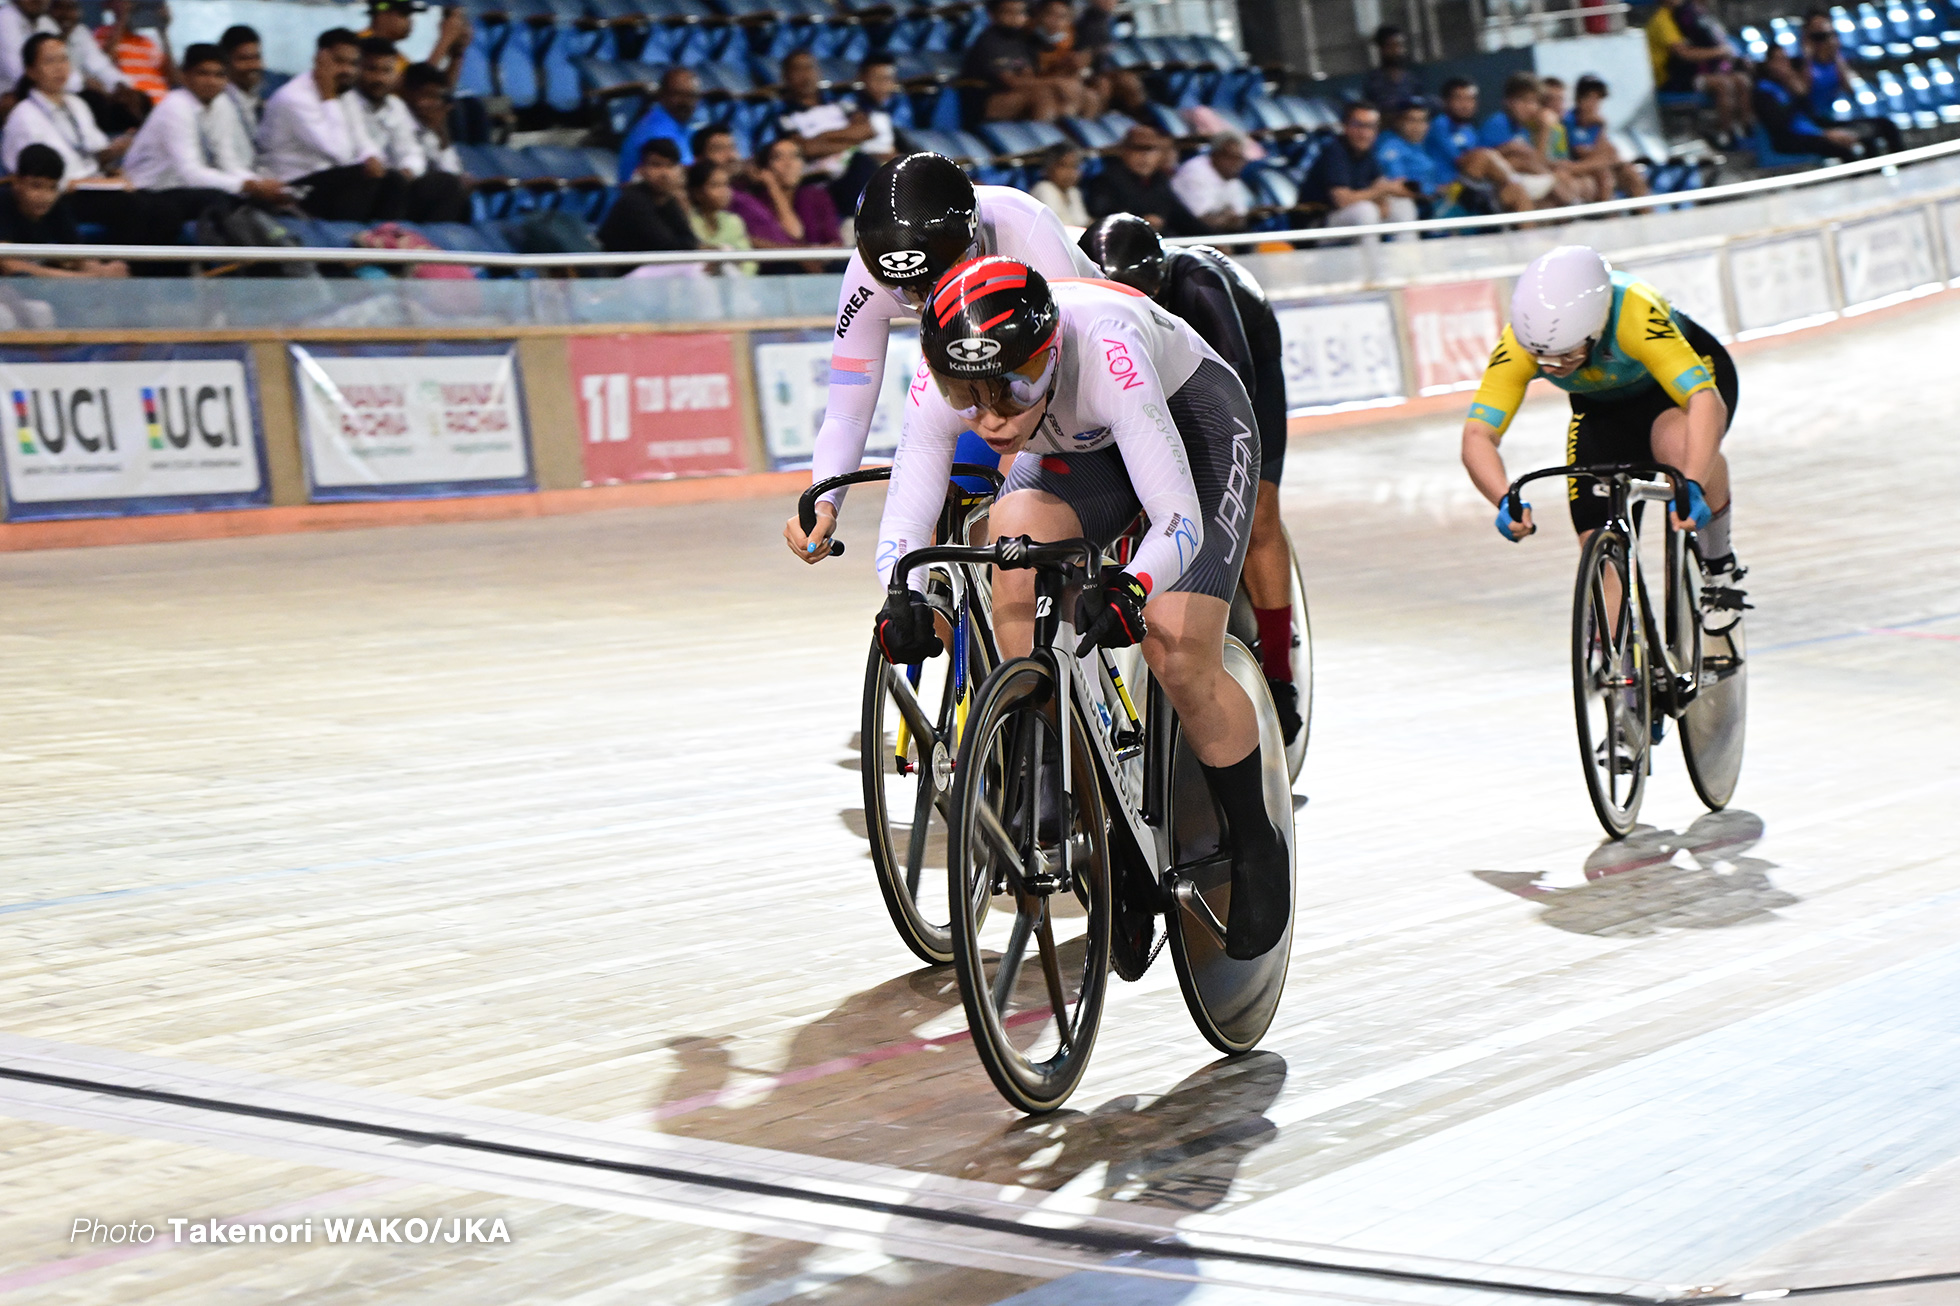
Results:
1262 894
1240 792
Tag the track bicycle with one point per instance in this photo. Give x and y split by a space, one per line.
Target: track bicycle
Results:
910 728
1076 822
1630 669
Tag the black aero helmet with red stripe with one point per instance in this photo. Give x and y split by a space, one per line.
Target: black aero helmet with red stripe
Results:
916 220
1128 250
987 318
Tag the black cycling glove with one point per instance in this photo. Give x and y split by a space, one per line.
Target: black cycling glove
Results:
1113 618
905 630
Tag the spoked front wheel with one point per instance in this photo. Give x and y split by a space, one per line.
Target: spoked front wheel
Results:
1612 696
1030 883
908 778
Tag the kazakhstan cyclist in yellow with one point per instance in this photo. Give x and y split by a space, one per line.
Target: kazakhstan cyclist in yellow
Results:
1647 383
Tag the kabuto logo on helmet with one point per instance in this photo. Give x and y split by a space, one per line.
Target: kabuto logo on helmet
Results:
903 262
973 349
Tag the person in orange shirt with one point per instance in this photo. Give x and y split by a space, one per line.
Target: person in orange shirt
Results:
143 58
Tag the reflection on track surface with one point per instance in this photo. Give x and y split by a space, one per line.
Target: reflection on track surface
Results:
553 826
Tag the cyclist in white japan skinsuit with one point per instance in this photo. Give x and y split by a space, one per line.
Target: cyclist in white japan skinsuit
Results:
919 216
1110 405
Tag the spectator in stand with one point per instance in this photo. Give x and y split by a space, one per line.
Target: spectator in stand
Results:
194 150
425 89
831 133
35 212
20 19
1056 57
394 20
144 60
1784 113
116 104
1487 180
672 115
433 194
1348 179
1690 54
709 191
1393 83
1518 134
245 66
1825 79
650 213
1404 157
1060 187
781 212
883 105
310 139
1209 185
46 114
716 144
1592 148
1094 35
1004 57
1136 181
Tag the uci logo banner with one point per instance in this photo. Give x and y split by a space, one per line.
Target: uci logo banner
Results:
167 429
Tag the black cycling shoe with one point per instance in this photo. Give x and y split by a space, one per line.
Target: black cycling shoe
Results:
1286 701
1262 888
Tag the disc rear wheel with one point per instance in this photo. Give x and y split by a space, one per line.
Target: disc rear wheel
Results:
1712 728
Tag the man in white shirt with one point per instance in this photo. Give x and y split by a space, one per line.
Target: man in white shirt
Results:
19 20
245 73
433 195
311 140
194 141
118 106
1209 184
425 89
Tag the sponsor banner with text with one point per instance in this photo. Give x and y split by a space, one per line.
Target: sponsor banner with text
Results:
1452 329
1780 281
1886 256
792 386
1693 284
653 407
113 430
411 421
1339 353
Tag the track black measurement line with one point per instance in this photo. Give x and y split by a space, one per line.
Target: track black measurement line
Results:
1102 1241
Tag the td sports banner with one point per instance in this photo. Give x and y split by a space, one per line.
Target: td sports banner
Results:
115 430
411 421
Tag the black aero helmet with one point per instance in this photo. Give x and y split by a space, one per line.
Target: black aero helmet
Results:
1127 249
915 221
985 333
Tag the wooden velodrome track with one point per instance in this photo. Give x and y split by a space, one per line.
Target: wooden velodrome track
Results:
513 871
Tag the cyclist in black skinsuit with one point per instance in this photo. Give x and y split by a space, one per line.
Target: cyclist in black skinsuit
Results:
1226 307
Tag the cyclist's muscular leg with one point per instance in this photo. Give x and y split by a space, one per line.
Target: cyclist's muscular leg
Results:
1184 649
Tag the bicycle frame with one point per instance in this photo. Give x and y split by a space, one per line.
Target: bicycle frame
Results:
1678 640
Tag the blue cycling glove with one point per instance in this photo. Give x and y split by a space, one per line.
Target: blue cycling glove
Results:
1504 519
1697 506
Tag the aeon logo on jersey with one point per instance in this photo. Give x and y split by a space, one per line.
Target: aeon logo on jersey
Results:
902 262
972 350
1121 365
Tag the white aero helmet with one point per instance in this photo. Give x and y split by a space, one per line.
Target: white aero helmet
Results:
1562 301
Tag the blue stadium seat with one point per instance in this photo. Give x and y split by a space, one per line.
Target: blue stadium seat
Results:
1768 156
1090 133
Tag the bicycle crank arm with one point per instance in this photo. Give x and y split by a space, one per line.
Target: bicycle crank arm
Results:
1188 896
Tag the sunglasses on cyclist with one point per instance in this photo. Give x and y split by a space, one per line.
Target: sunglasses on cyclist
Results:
1004 396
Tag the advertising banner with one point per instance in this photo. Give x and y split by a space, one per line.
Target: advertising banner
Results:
1693 284
411 421
1950 227
1779 281
1452 329
653 407
1339 353
792 386
1884 256
112 430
